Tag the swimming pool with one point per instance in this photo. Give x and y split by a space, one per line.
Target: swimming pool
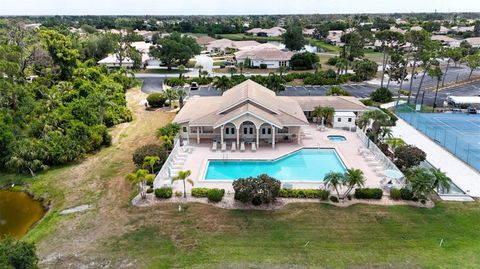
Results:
302 165
337 138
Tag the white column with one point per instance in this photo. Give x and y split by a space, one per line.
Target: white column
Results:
198 135
273 137
238 136
258 137
188 134
298 135
221 134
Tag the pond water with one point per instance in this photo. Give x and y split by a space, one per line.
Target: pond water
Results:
307 47
18 212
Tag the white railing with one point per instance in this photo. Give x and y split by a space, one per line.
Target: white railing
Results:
163 174
377 153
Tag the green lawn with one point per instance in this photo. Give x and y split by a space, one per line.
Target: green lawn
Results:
310 235
324 45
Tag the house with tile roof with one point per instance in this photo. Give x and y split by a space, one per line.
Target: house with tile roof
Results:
250 112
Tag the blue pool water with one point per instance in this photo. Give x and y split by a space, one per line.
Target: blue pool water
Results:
302 165
336 138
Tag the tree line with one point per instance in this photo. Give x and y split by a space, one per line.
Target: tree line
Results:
55 103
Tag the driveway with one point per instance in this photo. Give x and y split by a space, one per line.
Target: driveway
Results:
152 84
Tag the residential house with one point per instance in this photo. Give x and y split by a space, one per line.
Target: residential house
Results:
266 54
229 46
335 37
308 32
445 40
272 32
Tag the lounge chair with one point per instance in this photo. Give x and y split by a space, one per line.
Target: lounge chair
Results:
234 146
254 146
214 146
242 146
224 146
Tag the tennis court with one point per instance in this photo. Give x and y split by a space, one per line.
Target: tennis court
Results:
457 132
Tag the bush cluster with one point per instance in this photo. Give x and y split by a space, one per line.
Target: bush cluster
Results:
368 193
215 195
164 192
406 194
395 194
199 192
156 100
150 150
393 117
260 190
201 80
334 199
307 193
174 82
382 95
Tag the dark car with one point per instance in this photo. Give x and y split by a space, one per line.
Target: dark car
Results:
194 86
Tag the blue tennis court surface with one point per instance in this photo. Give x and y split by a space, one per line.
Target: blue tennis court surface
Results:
457 132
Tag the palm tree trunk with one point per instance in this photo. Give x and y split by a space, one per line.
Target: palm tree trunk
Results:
384 64
435 98
184 189
414 66
471 72
102 114
446 70
421 82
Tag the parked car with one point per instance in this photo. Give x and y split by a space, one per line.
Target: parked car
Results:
471 110
194 86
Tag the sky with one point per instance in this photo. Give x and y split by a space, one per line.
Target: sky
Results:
229 7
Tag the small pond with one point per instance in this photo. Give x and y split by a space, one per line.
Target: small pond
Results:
18 212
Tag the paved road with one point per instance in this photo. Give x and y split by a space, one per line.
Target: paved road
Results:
152 84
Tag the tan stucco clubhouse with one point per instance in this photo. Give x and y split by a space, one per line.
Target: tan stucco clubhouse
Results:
252 113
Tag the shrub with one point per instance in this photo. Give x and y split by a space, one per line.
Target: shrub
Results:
395 194
302 61
149 190
149 150
368 193
382 95
367 102
262 189
156 100
215 195
393 117
307 193
408 156
334 199
406 194
199 192
174 82
332 61
263 66
163 193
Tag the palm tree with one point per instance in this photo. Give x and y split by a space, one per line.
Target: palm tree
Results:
385 132
181 95
318 113
223 83
240 66
141 177
180 69
422 181
150 162
328 113
377 118
353 178
316 66
442 181
199 67
183 175
275 82
435 72
334 180
103 100
395 142
171 95
232 71
282 69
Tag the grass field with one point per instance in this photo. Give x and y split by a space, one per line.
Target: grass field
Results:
117 235
239 37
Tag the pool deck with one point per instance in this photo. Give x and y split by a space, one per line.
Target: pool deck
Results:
464 176
197 160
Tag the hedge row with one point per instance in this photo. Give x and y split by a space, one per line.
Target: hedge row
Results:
368 193
307 193
213 195
164 192
404 194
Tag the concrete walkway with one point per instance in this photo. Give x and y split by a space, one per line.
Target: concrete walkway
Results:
464 176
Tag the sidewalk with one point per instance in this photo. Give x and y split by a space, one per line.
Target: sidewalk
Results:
464 176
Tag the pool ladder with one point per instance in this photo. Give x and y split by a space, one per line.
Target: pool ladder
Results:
225 156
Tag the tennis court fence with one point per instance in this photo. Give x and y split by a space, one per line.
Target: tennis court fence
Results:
456 143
